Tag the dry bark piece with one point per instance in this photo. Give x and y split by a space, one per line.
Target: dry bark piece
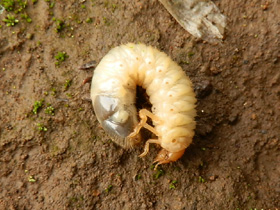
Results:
201 18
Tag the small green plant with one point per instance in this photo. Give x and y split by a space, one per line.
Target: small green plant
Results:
67 84
78 21
89 20
8 4
108 189
173 184
10 20
158 174
59 25
26 17
114 7
41 127
31 179
49 110
201 180
60 57
190 54
106 21
53 91
21 5
37 105
138 177
52 5
69 95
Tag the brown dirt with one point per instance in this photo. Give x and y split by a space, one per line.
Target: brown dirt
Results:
233 162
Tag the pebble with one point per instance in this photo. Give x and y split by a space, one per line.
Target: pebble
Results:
29 36
213 178
253 116
24 156
203 89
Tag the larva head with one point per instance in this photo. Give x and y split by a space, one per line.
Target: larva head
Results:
165 156
117 119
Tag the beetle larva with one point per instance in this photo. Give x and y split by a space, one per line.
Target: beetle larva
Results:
113 94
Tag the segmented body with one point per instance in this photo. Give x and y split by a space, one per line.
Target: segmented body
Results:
170 92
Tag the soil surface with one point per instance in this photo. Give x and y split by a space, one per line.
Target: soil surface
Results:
54 155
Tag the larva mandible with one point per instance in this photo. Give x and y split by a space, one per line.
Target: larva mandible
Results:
113 93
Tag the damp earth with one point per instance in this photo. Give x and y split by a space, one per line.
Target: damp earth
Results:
53 153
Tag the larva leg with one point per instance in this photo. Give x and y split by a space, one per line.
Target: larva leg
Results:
146 148
87 80
143 114
165 156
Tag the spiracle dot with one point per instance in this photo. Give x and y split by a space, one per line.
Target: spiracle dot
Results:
171 110
173 140
170 95
166 83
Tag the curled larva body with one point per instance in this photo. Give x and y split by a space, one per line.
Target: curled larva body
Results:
113 93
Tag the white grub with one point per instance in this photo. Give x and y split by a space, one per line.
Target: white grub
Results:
113 93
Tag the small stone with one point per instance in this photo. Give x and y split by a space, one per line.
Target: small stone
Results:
29 36
24 156
41 68
95 193
9 127
213 178
263 131
233 118
215 70
203 89
264 6
253 116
